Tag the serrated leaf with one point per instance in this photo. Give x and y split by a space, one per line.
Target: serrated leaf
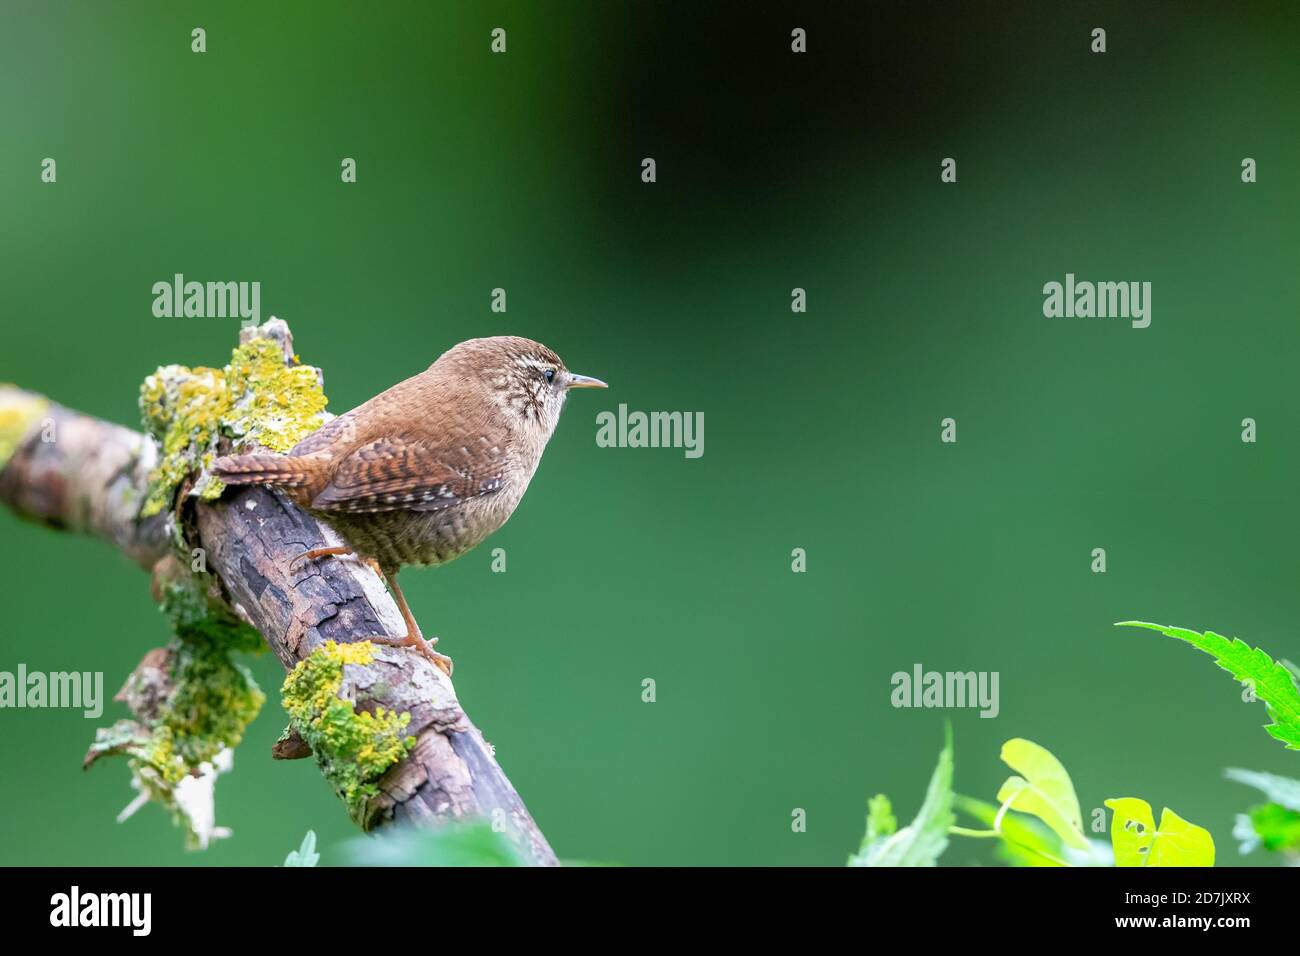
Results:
1281 790
922 841
1139 842
1272 682
1044 790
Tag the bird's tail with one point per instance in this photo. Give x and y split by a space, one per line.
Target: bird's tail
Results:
261 470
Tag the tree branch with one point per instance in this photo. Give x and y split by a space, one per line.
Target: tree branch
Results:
73 472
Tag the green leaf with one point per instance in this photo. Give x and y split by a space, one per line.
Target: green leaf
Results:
306 854
453 844
881 821
1272 681
921 842
1275 824
1025 840
1283 790
1277 827
1043 790
1138 842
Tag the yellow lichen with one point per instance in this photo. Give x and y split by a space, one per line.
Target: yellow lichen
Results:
272 404
206 698
198 707
257 398
353 748
19 413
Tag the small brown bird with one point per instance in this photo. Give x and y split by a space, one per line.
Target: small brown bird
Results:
425 471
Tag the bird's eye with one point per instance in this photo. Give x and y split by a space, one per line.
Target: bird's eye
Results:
550 375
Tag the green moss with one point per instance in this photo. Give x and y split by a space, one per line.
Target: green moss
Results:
215 701
214 698
257 398
205 704
194 616
210 701
353 748
194 702
19 413
191 703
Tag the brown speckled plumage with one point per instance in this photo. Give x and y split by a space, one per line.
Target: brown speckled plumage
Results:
426 470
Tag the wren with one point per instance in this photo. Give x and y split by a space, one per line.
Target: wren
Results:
426 470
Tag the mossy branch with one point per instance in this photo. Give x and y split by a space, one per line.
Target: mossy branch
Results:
384 724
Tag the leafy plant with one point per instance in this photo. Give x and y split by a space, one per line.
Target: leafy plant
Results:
306 854
464 844
1045 790
1273 682
921 842
1037 819
1048 831
1276 824
1139 842
1273 826
1027 841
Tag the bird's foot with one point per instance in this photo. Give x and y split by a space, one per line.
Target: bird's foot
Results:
337 551
315 553
425 647
413 636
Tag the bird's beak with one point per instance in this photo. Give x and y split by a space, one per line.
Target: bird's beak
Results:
584 381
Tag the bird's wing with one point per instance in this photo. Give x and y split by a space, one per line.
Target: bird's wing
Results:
395 475
335 430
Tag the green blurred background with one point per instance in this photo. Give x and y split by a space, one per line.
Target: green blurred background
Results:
822 430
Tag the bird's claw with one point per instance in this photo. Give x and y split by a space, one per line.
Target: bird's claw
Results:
413 636
440 661
315 553
424 646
